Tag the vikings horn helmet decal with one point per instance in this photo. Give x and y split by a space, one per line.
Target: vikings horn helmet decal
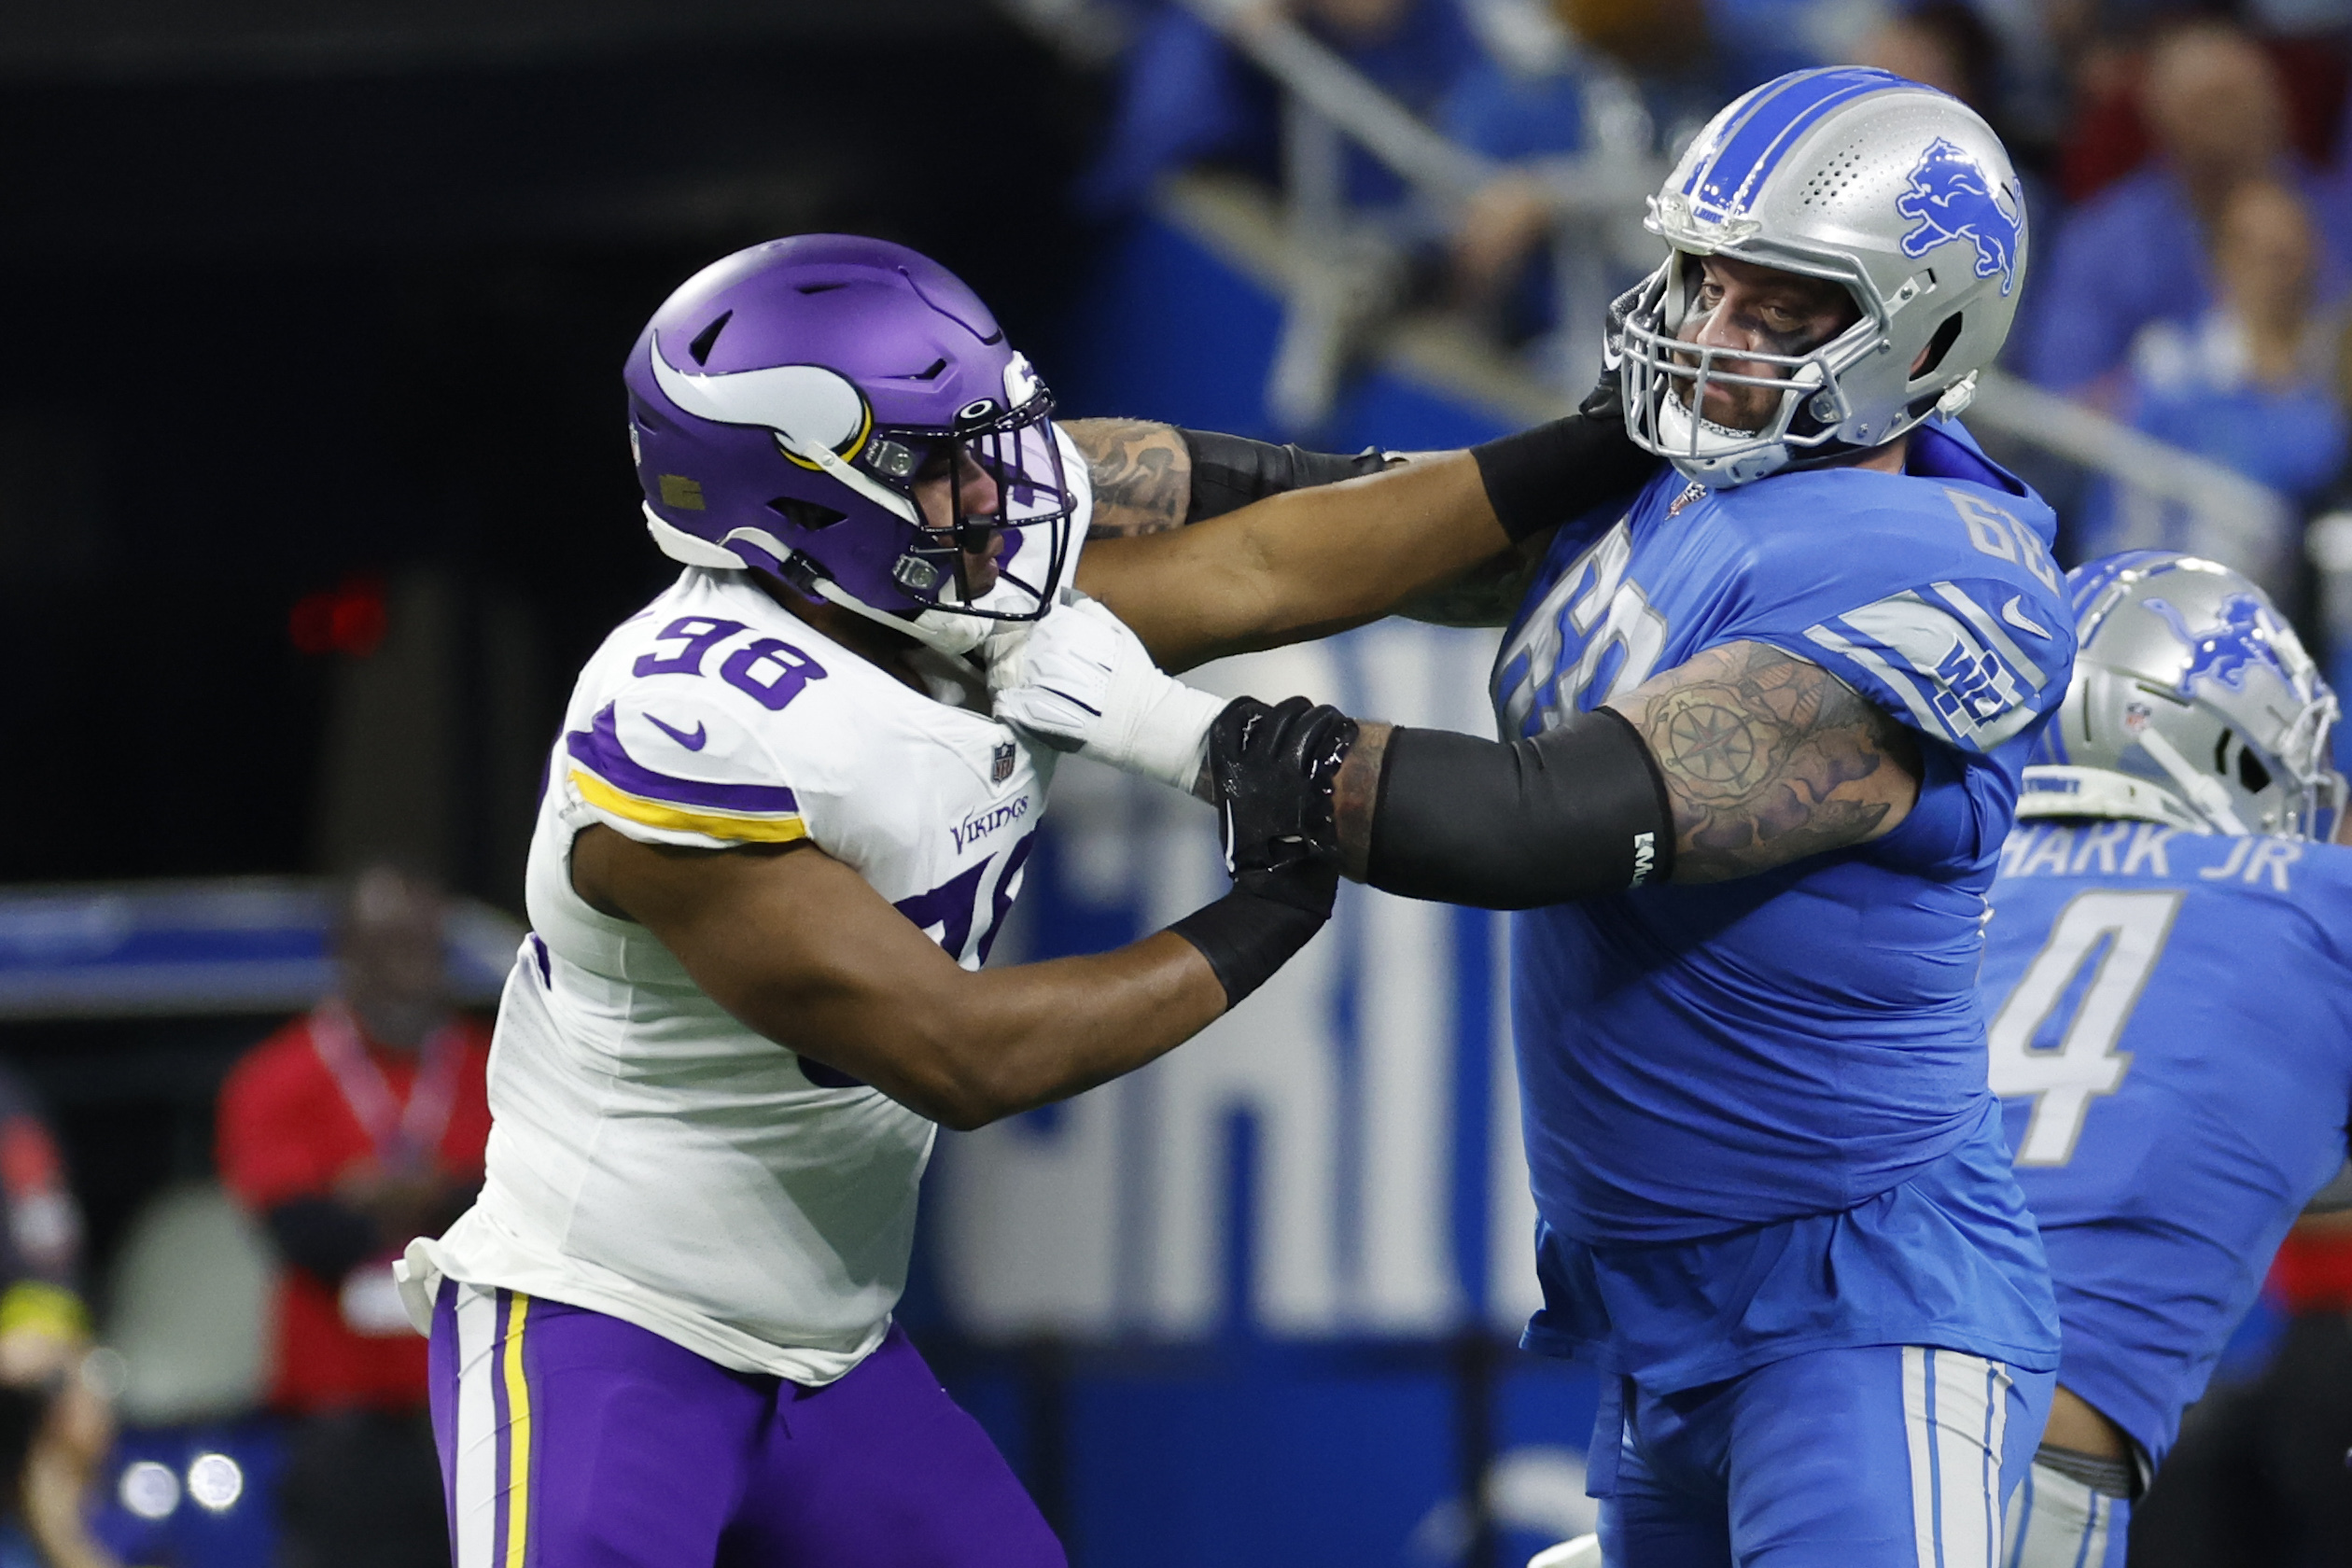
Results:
2192 703
1896 193
845 415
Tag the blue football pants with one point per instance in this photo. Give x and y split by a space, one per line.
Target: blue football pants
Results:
2056 1521
1885 1456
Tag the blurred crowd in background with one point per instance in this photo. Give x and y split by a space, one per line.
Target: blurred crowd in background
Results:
353 1127
2185 167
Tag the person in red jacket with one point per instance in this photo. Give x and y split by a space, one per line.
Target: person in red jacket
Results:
350 1130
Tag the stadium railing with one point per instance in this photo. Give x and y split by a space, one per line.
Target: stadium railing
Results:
1338 269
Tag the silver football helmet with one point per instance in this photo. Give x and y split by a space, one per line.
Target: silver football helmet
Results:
2192 704
1901 194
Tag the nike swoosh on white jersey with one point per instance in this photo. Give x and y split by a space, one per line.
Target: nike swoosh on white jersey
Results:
692 742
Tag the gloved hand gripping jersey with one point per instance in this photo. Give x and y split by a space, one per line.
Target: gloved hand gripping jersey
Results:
1272 770
1083 681
1080 680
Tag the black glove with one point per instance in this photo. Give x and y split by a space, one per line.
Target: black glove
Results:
1607 401
1272 770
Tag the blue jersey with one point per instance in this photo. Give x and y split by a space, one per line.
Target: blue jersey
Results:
1700 1060
2172 1039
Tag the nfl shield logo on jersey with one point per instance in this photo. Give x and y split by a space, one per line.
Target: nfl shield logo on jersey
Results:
1003 768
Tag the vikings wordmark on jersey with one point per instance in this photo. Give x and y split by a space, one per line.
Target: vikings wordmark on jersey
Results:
652 1158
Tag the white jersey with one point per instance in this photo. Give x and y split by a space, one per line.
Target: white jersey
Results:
650 1157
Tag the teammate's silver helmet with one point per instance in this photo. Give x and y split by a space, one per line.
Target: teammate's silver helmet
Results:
2192 704
1895 191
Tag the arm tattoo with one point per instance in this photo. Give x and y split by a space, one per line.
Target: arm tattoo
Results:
1770 758
1142 472
1355 796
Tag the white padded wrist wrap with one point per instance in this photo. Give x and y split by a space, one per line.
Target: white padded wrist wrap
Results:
1164 733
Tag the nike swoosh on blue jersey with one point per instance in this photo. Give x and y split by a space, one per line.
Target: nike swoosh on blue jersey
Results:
2010 612
692 742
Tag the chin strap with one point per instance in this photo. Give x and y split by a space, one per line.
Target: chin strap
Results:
2054 791
942 631
2205 792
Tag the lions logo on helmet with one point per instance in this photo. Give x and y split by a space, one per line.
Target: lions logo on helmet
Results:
2192 704
1853 177
1950 198
2224 651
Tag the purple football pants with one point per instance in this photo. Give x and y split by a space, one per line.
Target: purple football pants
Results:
570 1439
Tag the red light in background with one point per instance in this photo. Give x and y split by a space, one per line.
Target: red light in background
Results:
350 619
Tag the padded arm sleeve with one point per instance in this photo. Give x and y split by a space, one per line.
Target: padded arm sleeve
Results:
1542 477
1229 472
1253 931
1579 811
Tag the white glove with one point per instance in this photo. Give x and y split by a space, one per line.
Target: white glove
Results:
1082 682
998 652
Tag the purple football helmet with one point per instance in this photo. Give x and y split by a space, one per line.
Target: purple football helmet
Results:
788 402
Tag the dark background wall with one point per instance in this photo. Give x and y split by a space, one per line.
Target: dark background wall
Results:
320 298
332 300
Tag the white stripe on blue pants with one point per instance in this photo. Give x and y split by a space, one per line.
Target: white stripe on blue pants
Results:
2056 1521
1882 1456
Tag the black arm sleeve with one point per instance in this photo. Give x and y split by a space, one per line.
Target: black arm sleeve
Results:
1577 811
324 1239
1229 472
1250 932
1541 477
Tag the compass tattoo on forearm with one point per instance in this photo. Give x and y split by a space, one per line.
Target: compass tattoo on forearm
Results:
1769 758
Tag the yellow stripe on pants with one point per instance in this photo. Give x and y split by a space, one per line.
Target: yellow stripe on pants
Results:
518 1434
